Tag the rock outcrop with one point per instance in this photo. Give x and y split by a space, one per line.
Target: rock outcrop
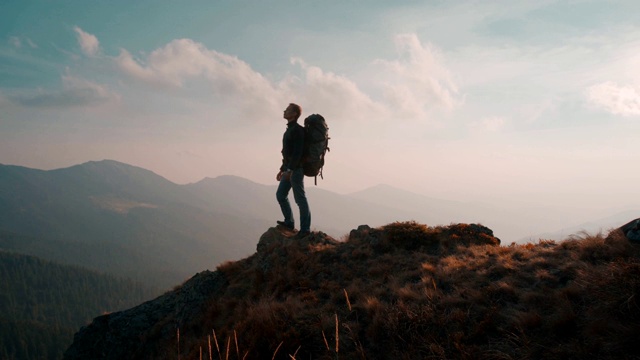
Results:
134 333
128 334
147 330
632 230
418 237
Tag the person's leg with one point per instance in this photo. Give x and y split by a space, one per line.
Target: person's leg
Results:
297 183
283 199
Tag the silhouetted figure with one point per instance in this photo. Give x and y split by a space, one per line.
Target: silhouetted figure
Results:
291 175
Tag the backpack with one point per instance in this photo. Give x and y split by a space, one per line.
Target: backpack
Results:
316 144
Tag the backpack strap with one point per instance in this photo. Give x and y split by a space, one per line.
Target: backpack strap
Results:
320 173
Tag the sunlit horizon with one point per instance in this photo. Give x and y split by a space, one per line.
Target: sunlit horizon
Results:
512 104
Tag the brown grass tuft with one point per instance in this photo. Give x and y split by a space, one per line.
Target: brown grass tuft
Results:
410 235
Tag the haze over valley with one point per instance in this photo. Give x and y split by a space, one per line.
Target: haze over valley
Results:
125 220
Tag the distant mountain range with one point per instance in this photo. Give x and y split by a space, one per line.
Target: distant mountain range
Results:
129 221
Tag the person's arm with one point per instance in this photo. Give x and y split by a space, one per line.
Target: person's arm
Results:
283 166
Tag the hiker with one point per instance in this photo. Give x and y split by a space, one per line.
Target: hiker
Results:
291 174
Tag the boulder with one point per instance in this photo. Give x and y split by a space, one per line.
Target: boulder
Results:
632 230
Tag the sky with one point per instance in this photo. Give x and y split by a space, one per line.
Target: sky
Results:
523 101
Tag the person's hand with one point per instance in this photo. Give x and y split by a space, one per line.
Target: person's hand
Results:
279 176
287 175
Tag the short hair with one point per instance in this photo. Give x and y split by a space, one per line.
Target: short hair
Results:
297 108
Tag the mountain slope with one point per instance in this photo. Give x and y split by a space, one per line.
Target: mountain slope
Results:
41 303
38 290
161 229
105 256
402 291
82 201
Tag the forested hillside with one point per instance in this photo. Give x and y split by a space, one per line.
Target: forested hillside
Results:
42 304
105 257
32 340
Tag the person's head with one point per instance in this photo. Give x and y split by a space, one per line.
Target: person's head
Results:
292 112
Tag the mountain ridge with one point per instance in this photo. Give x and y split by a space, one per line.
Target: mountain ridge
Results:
173 230
135 209
403 290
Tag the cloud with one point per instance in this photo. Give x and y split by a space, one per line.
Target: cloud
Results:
338 95
128 65
417 81
410 86
31 43
618 100
184 59
88 42
17 41
488 124
75 92
4 103
187 66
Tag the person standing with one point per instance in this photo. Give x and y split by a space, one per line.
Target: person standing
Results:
291 175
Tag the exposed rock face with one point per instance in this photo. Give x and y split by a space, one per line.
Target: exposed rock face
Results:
128 334
279 237
632 230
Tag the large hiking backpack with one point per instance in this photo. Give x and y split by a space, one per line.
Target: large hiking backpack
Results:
316 145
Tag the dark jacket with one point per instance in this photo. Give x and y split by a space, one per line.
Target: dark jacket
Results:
292 146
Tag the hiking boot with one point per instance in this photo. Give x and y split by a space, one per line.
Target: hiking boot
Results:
285 225
302 234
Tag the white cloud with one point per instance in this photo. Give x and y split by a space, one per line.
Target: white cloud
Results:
75 92
31 43
411 86
88 42
17 42
408 88
185 59
337 95
188 66
404 101
616 99
130 66
488 124
417 81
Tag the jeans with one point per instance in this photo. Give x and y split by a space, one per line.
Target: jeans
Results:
297 183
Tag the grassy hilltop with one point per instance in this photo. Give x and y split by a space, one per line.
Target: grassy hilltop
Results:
401 291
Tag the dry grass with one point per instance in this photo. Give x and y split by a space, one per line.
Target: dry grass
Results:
409 291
